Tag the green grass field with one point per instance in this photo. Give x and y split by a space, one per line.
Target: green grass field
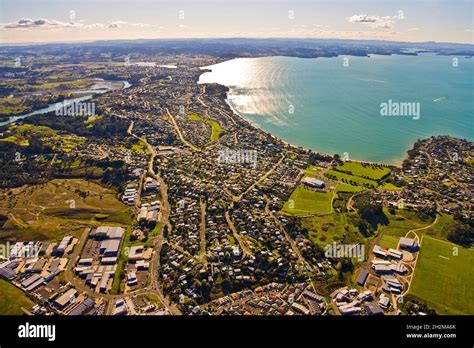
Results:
155 232
60 86
389 241
342 187
216 129
12 299
333 227
118 285
359 174
373 172
357 180
195 117
401 222
22 134
439 230
312 171
11 106
443 280
304 201
140 147
90 121
45 212
155 299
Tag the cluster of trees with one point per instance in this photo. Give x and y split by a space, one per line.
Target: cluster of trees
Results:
414 306
217 90
374 165
42 102
115 173
397 181
315 158
17 164
340 203
312 252
3 219
461 233
32 164
368 218
344 268
100 127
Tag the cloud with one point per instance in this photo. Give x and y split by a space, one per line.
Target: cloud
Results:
141 25
375 22
26 23
329 33
116 24
413 29
95 25
55 25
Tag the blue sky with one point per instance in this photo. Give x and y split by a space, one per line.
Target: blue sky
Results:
85 20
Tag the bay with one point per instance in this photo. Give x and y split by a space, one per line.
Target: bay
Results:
333 105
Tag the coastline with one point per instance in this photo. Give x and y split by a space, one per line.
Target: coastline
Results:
397 163
393 158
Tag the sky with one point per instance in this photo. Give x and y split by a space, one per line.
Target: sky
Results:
35 21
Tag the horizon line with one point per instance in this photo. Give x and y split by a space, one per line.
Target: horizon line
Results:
227 38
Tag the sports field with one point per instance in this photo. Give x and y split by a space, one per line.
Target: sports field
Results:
361 174
305 201
370 171
341 187
443 279
353 179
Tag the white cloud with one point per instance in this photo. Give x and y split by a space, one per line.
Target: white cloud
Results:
53 26
141 25
323 33
375 22
413 29
25 23
116 24
95 25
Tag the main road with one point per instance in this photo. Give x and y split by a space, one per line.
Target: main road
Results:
178 131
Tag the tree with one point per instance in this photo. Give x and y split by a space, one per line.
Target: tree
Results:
461 234
344 266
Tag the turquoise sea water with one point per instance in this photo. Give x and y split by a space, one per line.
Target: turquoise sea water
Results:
331 108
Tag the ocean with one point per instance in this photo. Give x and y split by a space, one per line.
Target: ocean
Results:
372 108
